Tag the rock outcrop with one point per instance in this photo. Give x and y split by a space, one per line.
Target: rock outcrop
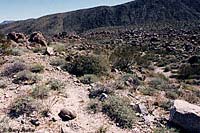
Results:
186 115
37 37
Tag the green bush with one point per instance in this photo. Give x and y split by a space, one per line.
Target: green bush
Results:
90 64
41 92
88 79
37 68
16 52
95 106
119 110
56 85
57 62
25 77
124 57
22 105
147 91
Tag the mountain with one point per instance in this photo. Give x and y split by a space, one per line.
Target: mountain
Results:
6 22
133 13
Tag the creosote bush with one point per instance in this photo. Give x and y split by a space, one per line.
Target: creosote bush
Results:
37 68
88 64
119 110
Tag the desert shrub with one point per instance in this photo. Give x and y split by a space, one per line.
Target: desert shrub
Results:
119 110
88 79
37 68
102 129
95 106
98 90
165 130
123 57
191 97
127 80
13 69
186 71
2 84
57 62
5 47
172 94
25 77
147 91
22 105
90 64
56 85
166 104
167 69
16 52
59 47
2 61
39 50
40 91
159 84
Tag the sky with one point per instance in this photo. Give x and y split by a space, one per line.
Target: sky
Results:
25 9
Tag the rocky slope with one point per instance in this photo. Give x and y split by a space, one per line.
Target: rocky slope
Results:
138 12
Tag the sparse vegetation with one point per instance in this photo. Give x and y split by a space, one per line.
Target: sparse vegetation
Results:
119 110
102 129
25 77
56 85
98 90
21 106
13 69
40 91
37 68
90 64
88 79
57 62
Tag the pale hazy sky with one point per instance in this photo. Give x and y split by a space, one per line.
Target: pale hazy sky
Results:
24 9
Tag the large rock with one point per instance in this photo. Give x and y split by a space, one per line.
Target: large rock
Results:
37 37
186 115
17 37
67 115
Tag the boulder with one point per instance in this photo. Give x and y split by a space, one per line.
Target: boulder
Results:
49 51
194 59
186 115
67 115
37 37
17 37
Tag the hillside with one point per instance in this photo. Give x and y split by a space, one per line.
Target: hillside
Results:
133 13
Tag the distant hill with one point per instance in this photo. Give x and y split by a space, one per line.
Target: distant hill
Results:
6 22
133 13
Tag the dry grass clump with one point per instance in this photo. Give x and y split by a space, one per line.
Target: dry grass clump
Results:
13 69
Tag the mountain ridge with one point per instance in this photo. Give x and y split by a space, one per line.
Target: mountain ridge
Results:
132 13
